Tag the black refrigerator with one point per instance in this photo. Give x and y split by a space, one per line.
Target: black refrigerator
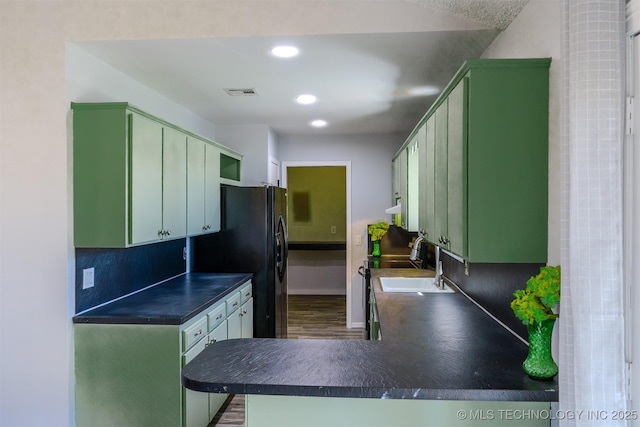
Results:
252 239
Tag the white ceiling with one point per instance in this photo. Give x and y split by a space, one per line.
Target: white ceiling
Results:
365 83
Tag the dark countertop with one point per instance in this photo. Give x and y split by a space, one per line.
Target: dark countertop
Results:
169 303
436 346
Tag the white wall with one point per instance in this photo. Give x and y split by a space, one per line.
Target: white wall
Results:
91 80
370 158
316 272
536 33
253 141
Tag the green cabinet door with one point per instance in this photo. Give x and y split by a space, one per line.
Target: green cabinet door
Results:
456 236
145 180
441 207
427 180
195 404
401 160
413 183
246 316
203 187
174 183
212 188
195 186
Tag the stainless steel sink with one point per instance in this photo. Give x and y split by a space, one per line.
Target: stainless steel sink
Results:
412 284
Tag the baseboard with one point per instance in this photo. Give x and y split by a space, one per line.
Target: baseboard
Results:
357 325
316 291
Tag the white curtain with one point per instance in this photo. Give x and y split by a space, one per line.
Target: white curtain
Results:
591 351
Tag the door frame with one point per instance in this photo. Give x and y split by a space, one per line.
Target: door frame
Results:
347 164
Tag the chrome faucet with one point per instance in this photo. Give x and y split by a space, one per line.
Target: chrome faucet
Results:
439 282
416 246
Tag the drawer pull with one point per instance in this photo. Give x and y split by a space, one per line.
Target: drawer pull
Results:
219 317
235 303
197 334
248 294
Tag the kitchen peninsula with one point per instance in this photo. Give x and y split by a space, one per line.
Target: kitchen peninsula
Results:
441 361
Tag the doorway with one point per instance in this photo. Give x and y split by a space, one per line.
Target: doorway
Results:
319 229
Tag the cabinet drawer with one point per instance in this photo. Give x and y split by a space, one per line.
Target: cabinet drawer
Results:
194 333
245 293
216 316
233 302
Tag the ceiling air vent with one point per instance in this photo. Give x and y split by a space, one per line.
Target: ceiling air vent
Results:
241 92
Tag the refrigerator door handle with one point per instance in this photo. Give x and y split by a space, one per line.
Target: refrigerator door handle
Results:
282 249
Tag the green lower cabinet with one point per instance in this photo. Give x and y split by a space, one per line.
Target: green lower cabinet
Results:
195 405
216 400
296 411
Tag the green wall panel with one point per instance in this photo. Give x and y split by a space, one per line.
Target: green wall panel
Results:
317 202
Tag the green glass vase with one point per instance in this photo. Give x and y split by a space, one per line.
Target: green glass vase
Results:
539 364
376 248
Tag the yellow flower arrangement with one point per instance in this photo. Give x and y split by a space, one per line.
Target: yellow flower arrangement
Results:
378 230
542 294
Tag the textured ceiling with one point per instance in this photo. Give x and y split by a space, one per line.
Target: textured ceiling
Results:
496 14
366 82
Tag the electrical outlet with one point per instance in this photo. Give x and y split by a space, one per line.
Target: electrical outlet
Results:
333 229
88 278
358 240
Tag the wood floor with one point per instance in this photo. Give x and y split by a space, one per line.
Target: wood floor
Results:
310 316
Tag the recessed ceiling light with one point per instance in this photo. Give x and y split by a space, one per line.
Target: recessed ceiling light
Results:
284 51
423 91
306 99
319 123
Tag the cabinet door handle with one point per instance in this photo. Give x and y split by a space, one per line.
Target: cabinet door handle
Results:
204 228
168 232
160 233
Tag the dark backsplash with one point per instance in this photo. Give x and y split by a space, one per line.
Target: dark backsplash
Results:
120 272
394 242
492 286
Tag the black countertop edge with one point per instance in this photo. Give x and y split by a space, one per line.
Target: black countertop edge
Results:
376 393
172 302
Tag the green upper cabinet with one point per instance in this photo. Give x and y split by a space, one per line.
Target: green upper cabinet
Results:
483 193
138 179
158 181
399 189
